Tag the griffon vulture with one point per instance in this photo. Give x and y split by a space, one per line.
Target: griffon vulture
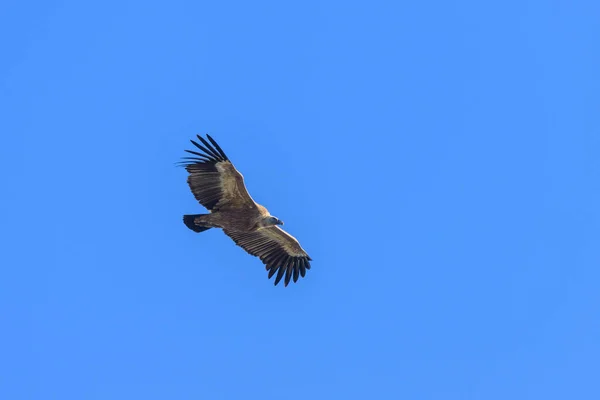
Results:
219 187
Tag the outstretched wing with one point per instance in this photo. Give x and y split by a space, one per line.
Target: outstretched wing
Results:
278 250
213 179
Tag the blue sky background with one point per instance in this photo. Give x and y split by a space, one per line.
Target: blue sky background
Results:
440 161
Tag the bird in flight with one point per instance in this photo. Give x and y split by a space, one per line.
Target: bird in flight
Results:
219 187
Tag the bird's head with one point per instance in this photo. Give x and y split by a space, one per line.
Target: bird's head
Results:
270 220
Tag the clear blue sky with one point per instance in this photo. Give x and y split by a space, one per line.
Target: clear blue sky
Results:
440 161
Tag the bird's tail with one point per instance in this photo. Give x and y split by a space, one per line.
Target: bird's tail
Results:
191 222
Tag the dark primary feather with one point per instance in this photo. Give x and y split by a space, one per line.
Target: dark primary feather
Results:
288 272
209 153
221 152
203 156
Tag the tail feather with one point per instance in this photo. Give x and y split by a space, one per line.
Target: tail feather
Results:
189 221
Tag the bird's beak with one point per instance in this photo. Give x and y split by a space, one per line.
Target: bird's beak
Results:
280 222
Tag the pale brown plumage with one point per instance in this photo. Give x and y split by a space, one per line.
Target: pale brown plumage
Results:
219 187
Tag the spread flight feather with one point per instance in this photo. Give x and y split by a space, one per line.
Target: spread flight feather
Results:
219 187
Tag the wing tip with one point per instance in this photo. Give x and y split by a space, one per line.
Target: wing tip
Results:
290 269
208 154
219 149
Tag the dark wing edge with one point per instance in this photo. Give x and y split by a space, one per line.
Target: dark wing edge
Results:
209 154
278 250
205 180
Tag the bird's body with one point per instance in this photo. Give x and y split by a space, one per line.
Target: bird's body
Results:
234 220
219 187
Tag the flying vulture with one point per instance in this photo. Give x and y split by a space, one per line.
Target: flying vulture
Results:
219 187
